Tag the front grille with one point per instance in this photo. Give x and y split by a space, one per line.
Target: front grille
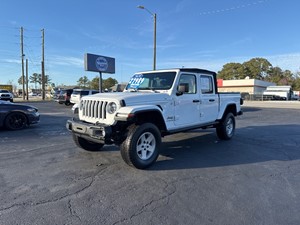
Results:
94 109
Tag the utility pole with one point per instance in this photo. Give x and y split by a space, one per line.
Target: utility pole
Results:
154 43
27 79
43 64
22 56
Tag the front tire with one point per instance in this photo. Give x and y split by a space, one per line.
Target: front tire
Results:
87 145
226 129
16 121
141 147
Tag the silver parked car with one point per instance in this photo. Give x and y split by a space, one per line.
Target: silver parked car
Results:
6 95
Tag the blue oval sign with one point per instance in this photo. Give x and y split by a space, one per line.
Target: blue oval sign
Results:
101 64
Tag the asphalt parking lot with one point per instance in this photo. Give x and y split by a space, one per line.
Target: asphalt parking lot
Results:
252 179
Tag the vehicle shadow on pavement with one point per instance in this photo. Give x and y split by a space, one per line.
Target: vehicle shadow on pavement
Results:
250 109
249 145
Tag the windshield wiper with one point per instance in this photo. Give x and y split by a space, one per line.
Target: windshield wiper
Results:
133 89
153 90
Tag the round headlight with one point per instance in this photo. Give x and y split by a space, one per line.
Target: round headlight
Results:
81 105
111 107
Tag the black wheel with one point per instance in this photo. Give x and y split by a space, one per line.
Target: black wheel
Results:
86 145
141 147
16 121
225 130
67 103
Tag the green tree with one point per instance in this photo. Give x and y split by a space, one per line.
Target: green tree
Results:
287 78
34 78
262 69
231 71
47 80
296 84
280 77
83 82
20 80
108 83
257 68
275 75
94 84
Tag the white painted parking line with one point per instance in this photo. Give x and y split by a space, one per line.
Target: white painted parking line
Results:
54 113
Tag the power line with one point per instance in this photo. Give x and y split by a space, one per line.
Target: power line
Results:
31 43
232 8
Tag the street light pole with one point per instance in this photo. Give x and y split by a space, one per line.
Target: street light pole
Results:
154 43
154 38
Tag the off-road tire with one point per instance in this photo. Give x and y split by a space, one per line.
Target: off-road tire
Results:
226 128
141 147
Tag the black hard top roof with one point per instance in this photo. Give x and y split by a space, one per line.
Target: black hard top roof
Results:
196 70
190 70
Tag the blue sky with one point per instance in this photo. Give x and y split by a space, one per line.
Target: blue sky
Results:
190 33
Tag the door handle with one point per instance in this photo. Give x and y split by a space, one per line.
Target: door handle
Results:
196 100
211 100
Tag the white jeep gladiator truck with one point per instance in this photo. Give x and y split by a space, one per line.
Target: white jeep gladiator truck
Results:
154 104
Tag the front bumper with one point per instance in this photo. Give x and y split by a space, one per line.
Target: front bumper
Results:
99 133
34 118
6 99
240 113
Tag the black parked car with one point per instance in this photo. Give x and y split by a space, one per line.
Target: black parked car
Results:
17 116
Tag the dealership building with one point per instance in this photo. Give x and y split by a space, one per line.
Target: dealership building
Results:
250 86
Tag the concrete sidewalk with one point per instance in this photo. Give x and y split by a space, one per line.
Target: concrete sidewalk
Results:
273 104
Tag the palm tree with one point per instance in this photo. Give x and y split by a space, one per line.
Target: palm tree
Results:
83 82
34 78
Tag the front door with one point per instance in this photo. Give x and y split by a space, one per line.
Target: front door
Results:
187 104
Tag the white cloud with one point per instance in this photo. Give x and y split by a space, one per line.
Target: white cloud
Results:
14 61
289 61
65 61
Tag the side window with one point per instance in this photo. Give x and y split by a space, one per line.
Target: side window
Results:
84 92
206 83
187 82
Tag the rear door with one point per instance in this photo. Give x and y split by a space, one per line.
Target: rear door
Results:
209 106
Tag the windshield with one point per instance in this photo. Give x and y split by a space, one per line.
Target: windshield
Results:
75 92
151 81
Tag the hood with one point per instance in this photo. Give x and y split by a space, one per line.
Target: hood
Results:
132 98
